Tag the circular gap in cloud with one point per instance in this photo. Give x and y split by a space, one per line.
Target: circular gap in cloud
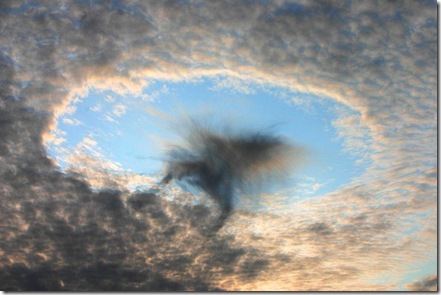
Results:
118 134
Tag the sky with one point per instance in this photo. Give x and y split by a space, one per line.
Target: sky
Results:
317 118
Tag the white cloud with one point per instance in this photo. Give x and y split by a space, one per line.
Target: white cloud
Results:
110 118
96 108
72 121
306 187
88 159
110 99
234 84
301 102
119 110
155 95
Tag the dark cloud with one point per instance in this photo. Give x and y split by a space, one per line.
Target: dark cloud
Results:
60 234
142 199
320 228
79 240
220 164
429 283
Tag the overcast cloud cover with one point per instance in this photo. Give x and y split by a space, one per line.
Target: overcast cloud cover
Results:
376 57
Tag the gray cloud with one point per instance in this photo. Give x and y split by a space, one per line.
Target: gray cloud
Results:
220 164
429 283
61 235
377 57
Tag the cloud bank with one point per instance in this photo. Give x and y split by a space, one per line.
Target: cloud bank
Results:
376 57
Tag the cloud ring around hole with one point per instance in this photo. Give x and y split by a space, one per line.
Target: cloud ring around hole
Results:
52 219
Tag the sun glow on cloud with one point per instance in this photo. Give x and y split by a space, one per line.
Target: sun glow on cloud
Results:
92 92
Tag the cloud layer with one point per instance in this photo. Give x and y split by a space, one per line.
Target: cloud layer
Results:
376 57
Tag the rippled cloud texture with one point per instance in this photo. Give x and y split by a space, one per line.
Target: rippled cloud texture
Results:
376 57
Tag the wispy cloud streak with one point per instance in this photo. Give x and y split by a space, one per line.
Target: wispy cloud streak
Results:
220 164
